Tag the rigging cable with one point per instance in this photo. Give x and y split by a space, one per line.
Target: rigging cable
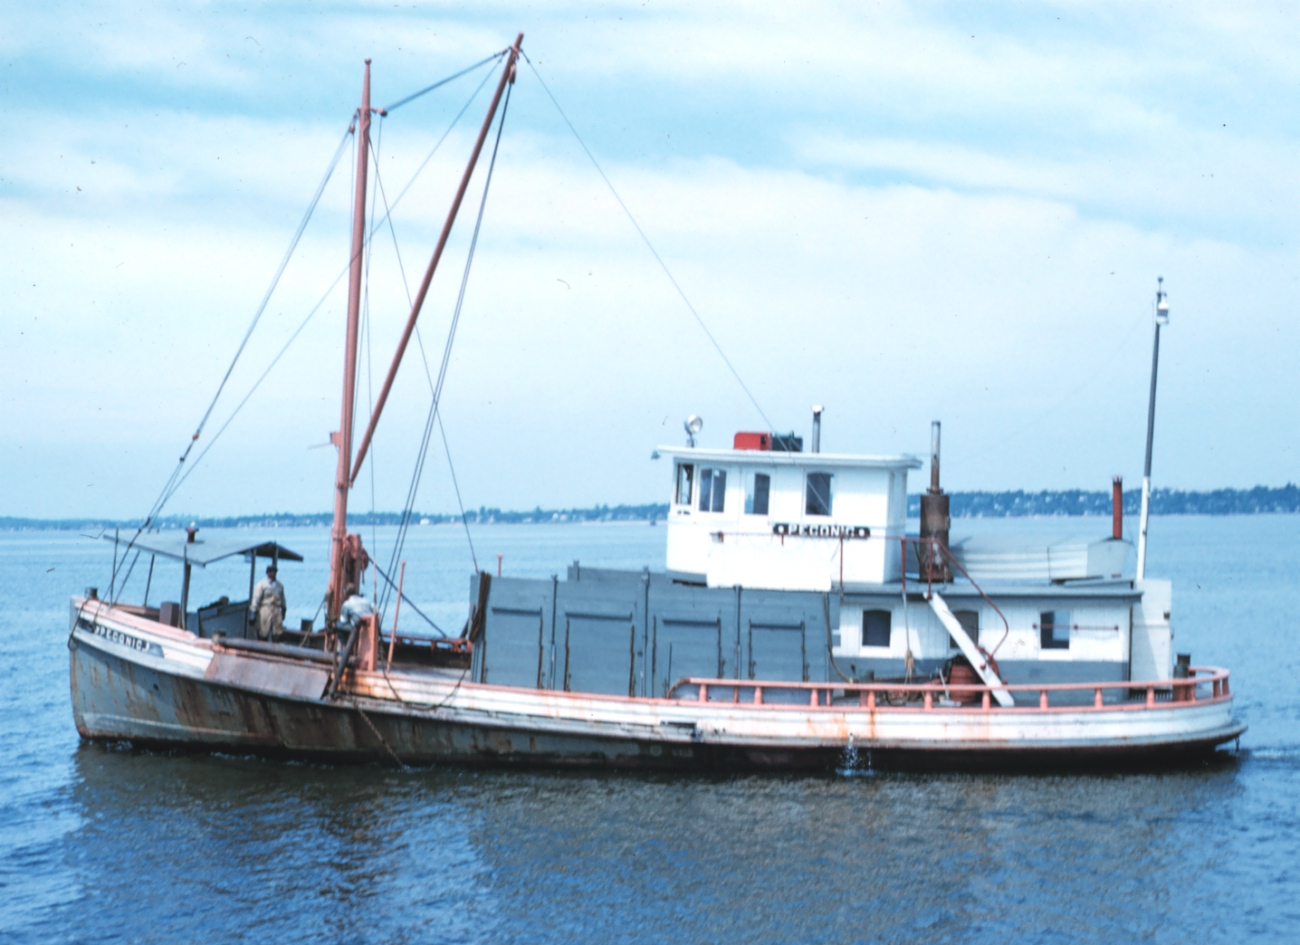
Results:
179 473
337 279
370 254
412 97
424 357
438 143
410 603
405 524
456 485
177 477
650 246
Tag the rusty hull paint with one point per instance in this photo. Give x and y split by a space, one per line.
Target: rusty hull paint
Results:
117 700
264 675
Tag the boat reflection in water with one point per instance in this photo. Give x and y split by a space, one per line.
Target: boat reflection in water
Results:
294 849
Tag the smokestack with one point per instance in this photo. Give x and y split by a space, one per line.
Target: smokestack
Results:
817 430
1117 508
935 521
934 458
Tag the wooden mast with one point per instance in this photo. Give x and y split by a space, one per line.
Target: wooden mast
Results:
343 439
507 75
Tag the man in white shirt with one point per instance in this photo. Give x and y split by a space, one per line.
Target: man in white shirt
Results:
354 607
267 606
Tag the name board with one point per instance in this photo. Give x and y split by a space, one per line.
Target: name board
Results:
820 530
125 639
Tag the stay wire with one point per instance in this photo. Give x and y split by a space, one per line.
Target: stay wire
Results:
451 78
181 472
129 571
438 144
659 259
352 202
293 244
456 485
174 483
169 490
410 603
370 255
274 361
446 354
424 357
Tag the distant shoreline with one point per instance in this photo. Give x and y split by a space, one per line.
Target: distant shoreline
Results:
1067 503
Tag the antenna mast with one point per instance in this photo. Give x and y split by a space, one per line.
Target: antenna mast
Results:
1162 318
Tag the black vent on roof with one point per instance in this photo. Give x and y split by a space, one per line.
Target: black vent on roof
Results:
786 443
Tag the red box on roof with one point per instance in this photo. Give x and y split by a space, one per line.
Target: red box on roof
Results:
752 441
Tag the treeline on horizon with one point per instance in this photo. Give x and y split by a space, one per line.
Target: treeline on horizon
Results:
1069 502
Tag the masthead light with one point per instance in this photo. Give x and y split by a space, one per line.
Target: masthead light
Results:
1162 302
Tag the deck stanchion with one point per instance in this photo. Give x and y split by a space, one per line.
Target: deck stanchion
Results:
985 701
1042 698
704 692
1151 696
929 700
397 610
758 695
1096 698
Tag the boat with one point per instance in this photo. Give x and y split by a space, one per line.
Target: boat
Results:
796 624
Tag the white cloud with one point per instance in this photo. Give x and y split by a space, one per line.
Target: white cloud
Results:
987 258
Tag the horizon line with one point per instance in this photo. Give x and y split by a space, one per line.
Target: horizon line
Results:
973 503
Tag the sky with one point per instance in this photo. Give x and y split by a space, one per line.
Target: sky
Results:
902 212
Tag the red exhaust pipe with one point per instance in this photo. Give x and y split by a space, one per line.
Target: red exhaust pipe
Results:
1117 508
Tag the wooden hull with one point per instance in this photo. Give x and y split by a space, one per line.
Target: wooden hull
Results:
137 681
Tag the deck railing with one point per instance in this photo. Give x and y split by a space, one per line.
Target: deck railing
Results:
1203 684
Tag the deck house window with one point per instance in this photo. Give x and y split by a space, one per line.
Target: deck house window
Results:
760 487
685 478
818 494
1054 627
875 628
713 489
970 622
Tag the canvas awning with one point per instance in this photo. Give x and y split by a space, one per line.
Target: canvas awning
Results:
203 552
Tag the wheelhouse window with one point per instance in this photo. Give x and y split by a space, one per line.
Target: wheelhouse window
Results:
970 622
713 489
759 487
1054 626
875 628
818 495
685 479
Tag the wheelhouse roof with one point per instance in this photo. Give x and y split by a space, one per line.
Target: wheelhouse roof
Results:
203 552
780 458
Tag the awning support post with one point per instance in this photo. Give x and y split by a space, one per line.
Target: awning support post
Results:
252 580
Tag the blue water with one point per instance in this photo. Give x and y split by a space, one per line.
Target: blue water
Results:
110 844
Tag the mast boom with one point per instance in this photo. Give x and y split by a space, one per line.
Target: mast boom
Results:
507 75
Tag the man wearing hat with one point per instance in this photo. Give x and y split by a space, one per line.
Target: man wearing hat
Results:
267 606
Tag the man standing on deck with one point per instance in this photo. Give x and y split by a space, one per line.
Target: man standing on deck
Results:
267 606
